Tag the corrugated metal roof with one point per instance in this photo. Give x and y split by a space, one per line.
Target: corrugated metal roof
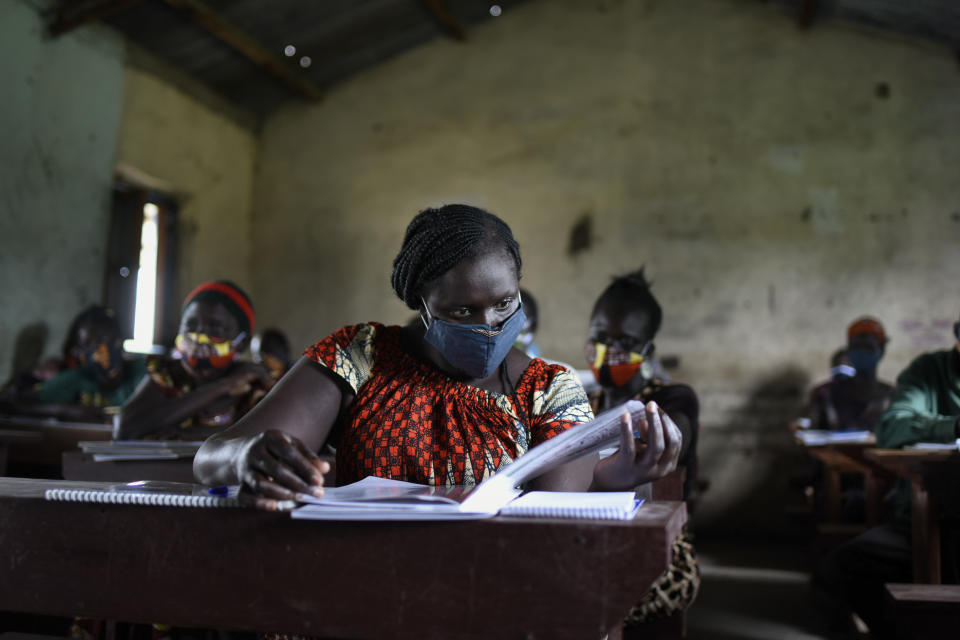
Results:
937 20
342 37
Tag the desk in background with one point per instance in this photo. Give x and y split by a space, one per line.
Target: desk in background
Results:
14 437
78 465
51 438
840 458
243 569
934 478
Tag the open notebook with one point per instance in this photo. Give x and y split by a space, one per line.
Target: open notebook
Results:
381 499
406 501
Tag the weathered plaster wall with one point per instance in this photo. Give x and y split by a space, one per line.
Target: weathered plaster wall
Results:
58 126
207 159
772 189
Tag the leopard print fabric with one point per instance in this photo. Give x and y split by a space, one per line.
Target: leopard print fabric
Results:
673 591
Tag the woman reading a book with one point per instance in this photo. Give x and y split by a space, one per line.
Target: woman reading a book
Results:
444 400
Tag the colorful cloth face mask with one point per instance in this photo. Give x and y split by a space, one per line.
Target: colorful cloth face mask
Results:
612 366
104 361
200 352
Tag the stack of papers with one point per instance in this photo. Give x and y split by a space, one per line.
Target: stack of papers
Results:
934 446
819 438
108 450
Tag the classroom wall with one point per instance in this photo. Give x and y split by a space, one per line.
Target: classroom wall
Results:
58 125
206 159
775 182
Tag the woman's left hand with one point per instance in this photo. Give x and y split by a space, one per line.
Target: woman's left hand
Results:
647 452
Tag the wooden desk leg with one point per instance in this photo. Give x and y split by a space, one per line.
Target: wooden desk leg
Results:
926 536
832 496
874 499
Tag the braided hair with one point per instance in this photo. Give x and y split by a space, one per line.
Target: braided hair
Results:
633 288
437 240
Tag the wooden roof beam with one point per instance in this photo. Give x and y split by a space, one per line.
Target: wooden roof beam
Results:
446 19
66 21
248 46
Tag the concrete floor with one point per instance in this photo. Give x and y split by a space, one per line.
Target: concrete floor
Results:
753 589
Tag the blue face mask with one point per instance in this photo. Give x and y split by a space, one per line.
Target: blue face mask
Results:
475 349
865 361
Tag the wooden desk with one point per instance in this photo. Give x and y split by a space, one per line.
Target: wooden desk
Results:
934 486
923 611
55 437
849 457
248 570
78 465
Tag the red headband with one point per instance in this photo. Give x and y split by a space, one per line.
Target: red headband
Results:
232 293
867 326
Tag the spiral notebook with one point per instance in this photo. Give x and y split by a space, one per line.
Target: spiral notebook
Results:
611 505
151 493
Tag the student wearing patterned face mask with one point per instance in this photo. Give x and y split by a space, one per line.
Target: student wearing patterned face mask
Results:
619 351
444 400
203 388
100 376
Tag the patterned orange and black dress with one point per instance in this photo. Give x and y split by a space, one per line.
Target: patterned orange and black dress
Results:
411 422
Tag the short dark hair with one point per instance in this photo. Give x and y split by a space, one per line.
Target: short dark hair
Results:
634 288
274 342
437 240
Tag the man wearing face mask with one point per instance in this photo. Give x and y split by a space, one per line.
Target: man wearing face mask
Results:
854 402
203 388
925 408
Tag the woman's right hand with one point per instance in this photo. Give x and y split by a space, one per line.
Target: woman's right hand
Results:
275 468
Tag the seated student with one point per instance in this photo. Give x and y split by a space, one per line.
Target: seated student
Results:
272 350
447 400
204 388
925 408
101 376
525 341
623 325
854 402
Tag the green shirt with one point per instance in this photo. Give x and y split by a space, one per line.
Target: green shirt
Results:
76 386
925 408
926 404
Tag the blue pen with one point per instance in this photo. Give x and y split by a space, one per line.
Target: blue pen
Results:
219 491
